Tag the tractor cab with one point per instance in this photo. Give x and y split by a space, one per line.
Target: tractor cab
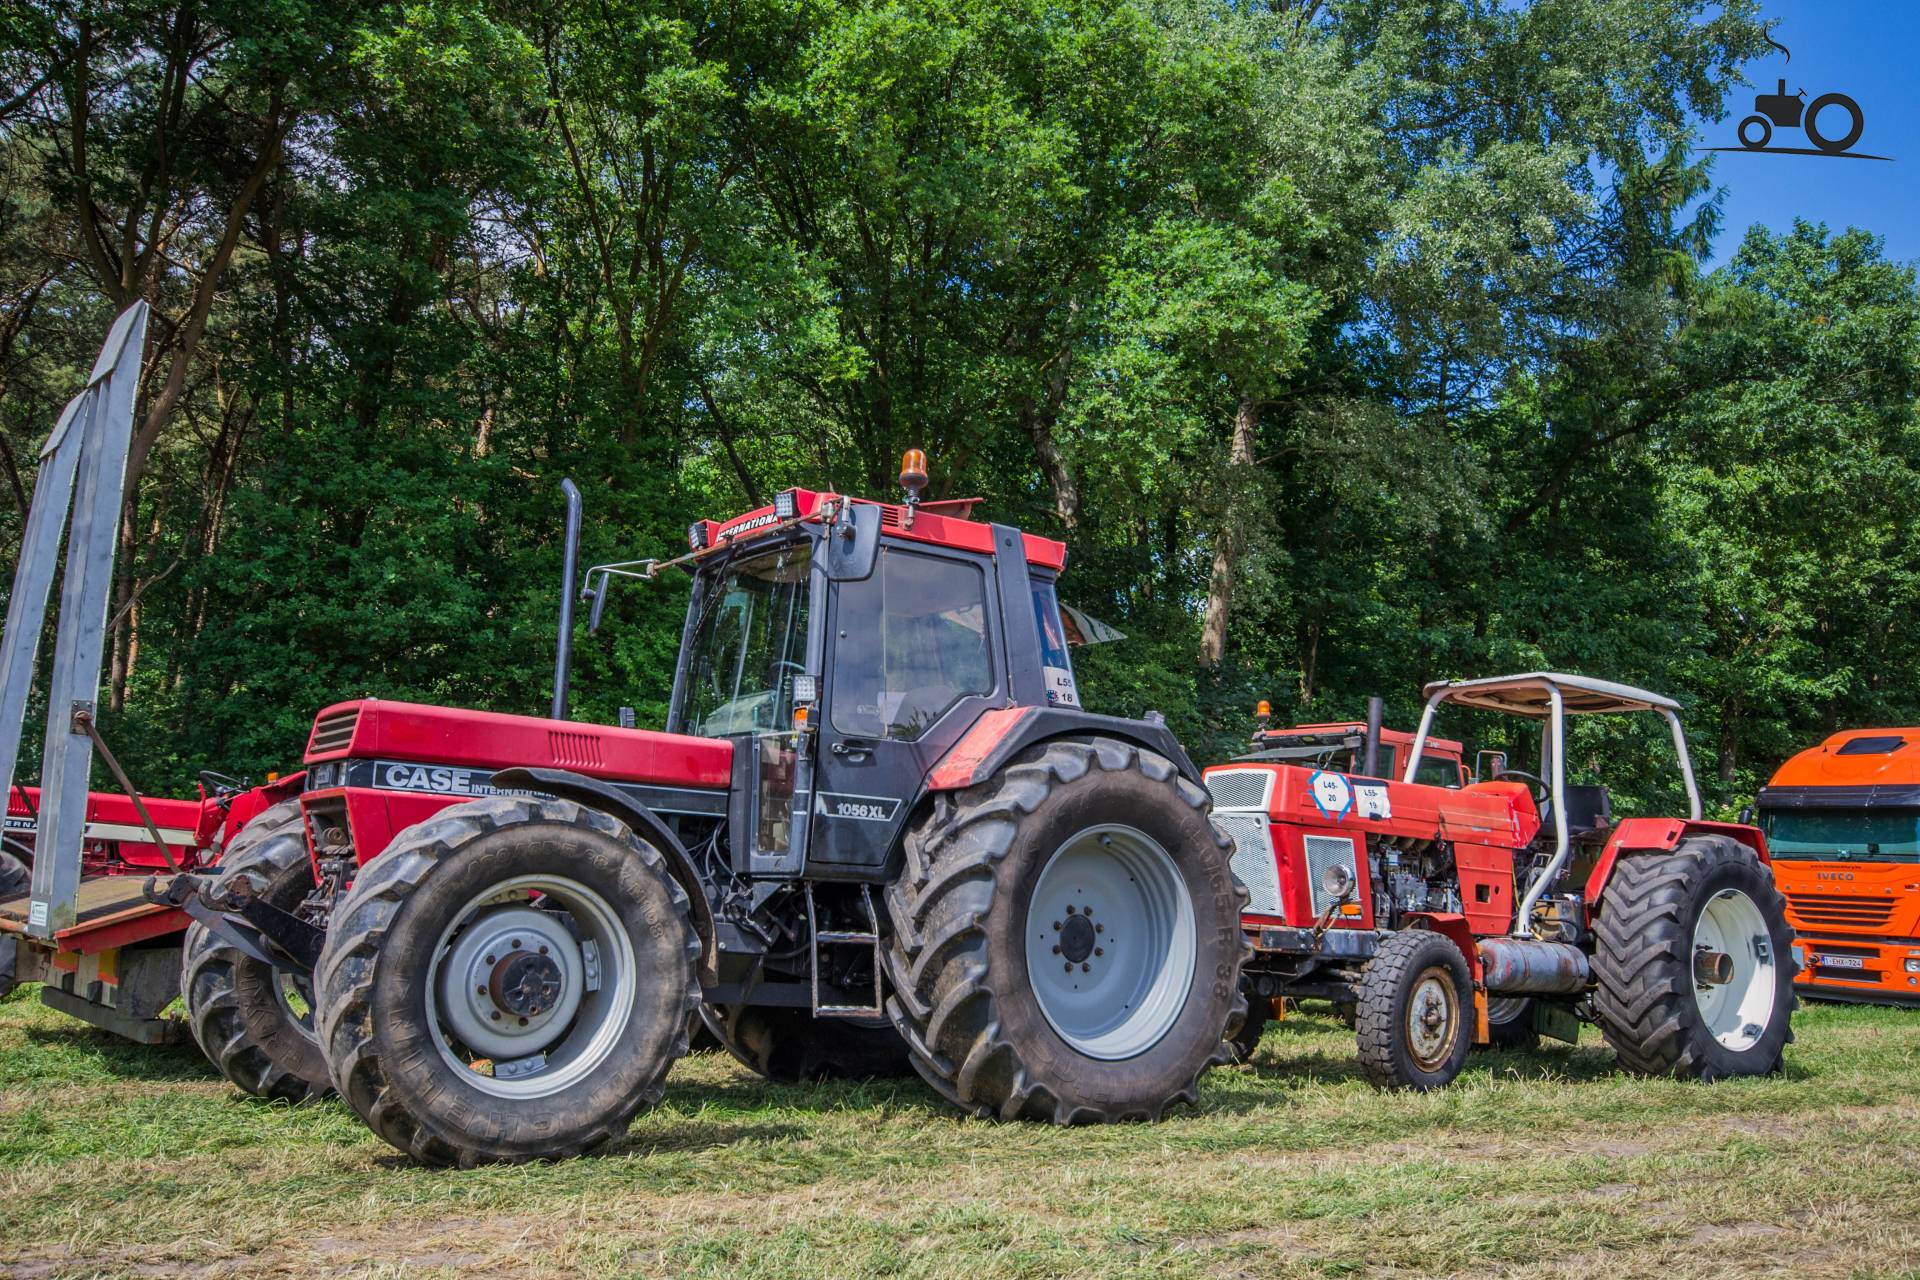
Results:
844 647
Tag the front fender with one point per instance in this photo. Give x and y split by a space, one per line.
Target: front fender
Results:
999 735
566 785
1661 834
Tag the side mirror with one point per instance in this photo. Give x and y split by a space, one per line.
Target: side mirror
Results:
852 543
1746 816
597 602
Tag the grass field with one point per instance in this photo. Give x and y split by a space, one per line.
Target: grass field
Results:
119 1161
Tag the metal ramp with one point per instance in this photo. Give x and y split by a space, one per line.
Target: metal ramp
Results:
76 493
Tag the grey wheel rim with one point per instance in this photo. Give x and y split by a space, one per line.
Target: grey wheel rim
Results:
532 986
1502 1010
1111 942
1737 1011
1433 1019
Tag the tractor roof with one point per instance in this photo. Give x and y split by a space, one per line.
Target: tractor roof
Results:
1527 695
945 524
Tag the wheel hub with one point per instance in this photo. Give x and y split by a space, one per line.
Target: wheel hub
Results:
525 984
511 982
1430 1022
1076 937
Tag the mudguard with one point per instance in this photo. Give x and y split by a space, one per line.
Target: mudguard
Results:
999 735
567 785
1661 834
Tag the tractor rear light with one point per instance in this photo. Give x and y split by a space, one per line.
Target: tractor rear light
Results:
697 535
786 504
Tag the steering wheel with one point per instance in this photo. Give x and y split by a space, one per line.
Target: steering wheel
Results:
1541 792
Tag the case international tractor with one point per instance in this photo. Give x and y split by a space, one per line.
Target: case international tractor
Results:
876 830
1496 910
1843 822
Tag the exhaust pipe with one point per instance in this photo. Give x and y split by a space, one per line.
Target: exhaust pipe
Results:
1370 764
1522 966
569 569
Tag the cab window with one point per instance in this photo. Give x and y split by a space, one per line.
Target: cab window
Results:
1438 771
910 642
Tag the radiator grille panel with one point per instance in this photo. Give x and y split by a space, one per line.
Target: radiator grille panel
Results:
1240 788
1253 859
1837 911
333 732
1323 852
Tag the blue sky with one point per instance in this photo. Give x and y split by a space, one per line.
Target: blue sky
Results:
1869 52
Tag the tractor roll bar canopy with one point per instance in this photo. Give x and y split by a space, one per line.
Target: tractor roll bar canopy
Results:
1528 695
1552 696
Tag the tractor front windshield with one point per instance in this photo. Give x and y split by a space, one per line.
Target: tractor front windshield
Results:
749 642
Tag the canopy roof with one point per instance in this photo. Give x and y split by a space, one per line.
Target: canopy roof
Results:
1527 695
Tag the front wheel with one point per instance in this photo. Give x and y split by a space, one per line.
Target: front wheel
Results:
1414 1016
1695 964
1066 938
510 980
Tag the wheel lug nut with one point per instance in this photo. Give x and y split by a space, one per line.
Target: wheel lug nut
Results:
523 1022
1099 951
495 1015
489 959
1069 966
1099 928
515 944
1084 968
1056 926
1056 950
543 951
481 990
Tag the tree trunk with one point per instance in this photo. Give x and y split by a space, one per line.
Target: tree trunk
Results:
1226 544
1729 761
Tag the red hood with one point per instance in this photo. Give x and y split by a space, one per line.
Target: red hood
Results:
372 728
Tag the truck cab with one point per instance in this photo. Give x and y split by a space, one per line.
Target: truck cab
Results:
1842 820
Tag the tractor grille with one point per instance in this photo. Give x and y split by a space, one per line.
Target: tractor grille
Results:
1241 788
1253 859
1836 911
1323 852
332 732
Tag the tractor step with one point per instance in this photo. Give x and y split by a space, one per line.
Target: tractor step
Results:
868 937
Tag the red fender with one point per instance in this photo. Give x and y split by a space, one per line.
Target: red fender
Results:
1661 834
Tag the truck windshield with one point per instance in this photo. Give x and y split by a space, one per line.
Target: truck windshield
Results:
1842 835
749 643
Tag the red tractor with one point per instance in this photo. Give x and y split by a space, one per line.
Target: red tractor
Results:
1511 906
877 829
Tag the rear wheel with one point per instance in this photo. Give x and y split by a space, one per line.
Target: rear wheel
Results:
1416 997
1694 964
254 1021
791 1046
1066 938
510 980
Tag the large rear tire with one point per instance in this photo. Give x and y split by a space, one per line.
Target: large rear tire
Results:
509 980
252 1020
1666 1001
791 1046
1066 938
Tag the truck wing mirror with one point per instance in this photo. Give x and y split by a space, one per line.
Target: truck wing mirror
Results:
853 543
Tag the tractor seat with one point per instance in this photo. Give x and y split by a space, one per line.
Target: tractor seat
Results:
1588 810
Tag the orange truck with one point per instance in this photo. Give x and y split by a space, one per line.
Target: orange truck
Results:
1843 824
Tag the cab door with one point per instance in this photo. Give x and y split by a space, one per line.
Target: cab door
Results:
911 663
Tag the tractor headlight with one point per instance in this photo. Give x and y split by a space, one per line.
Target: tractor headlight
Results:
1913 964
697 535
786 504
